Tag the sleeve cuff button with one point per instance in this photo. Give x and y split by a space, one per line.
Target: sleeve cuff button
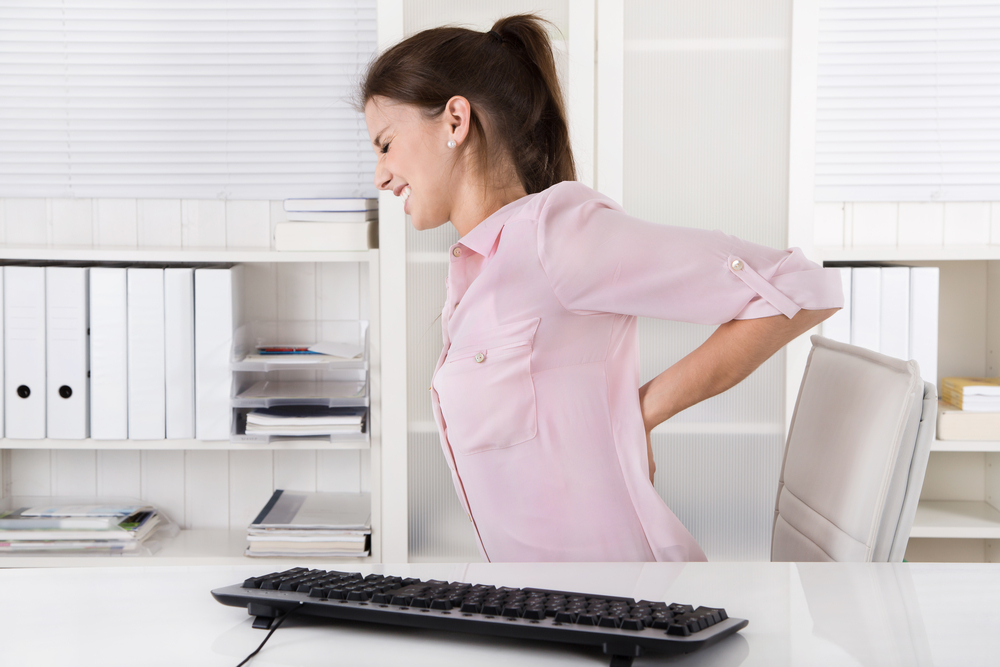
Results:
737 265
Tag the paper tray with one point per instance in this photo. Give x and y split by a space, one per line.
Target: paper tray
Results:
269 393
250 335
239 434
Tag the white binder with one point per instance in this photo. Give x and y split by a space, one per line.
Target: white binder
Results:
924 293
894 320
146 379
838 326
178 297
68 413
24 351
108 354
865 309
218 308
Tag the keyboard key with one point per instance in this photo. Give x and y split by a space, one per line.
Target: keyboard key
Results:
566 617
678 630
632 624
358 595
608 622
401 600
441 604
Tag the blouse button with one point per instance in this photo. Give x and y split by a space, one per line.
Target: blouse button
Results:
737 265
479 358
456 251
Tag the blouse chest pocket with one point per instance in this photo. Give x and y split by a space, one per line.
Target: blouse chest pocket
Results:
486 394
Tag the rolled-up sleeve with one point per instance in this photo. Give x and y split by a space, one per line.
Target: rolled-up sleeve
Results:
599 259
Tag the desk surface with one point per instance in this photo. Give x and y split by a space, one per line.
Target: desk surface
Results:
800 614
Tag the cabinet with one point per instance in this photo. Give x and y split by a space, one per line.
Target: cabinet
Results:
214 488
958 518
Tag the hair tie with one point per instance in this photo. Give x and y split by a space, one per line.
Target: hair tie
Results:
495 35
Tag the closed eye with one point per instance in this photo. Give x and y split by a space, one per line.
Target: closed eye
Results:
385 147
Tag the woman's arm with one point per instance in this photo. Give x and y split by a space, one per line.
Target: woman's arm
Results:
730 354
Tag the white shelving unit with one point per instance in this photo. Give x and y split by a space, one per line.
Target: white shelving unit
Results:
218 545
958 518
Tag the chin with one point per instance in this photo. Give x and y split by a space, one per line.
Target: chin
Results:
422 224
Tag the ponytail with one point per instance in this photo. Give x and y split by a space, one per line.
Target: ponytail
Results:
508 74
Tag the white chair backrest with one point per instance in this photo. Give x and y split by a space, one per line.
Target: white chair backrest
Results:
855 457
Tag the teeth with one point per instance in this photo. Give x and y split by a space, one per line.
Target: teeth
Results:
406 193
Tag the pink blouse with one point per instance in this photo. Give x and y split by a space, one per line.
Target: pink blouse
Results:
536 391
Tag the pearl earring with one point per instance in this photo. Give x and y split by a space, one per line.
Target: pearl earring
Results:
451 143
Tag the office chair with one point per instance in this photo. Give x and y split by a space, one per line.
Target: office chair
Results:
855 457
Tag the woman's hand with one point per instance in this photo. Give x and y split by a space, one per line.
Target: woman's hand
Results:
730 354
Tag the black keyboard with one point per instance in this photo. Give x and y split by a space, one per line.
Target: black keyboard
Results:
622 627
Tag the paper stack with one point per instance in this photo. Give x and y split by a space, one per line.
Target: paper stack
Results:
289 420
295 523
972 394
79 529
328 224
969 409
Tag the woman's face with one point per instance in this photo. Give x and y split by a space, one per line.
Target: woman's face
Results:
414 160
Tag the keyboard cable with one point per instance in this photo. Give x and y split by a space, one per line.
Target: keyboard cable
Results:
277 624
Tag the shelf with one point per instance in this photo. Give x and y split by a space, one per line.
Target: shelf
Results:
908 254
956 519
190 547
965 446
167 255
359 442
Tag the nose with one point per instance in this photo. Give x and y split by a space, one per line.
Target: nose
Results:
382 177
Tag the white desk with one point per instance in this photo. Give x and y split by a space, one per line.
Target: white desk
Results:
808 614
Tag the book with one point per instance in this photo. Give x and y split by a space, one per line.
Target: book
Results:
974 394
318 204
29 525
326 236
299 510
955 424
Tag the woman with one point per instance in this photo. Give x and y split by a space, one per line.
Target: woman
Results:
536 394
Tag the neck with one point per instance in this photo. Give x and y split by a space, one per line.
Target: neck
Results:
471 207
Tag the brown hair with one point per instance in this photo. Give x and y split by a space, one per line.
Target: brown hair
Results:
509 77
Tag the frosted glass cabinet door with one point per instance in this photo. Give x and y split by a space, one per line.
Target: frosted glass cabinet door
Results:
705 142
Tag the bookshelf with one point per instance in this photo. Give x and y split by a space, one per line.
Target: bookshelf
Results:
210 488
958 517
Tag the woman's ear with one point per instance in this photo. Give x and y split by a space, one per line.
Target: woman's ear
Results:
457 116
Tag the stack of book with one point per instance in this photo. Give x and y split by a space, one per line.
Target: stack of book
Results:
78 529
328 224
969 409
295 523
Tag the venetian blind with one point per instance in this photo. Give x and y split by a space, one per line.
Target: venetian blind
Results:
206 99
908 105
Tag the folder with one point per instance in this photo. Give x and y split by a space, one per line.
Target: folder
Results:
24 350
865 307
178 299
67 388
894 312
924 286
218 308
146 363
108 354
838 326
